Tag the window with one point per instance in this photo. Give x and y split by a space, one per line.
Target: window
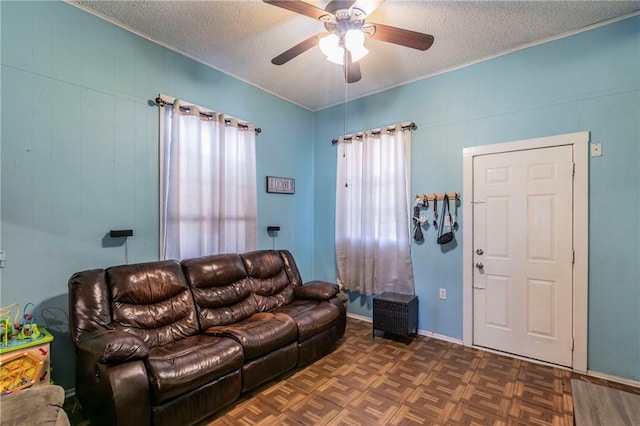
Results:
208 193
373 246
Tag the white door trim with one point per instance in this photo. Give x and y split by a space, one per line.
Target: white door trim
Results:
579 141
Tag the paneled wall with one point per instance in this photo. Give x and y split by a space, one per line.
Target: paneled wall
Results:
80 153
586 82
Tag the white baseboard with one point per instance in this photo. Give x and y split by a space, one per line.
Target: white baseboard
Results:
440 337
359 317
68 393
420 332
616 379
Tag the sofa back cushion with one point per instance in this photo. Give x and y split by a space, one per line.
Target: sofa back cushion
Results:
291 268
221 290
153 301
89 303
268 277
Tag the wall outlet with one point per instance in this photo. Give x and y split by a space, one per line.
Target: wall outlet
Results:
596 149
443 293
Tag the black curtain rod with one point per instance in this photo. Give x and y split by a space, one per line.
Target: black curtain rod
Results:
410 126
161 102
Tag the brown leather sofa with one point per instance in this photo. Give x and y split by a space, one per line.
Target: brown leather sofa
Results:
168 343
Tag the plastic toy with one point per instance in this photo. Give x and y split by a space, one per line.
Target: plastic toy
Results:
19 371
27 330
6 326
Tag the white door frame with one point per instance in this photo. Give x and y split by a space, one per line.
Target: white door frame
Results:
579 141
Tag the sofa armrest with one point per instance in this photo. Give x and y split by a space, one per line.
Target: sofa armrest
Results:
113 346
316 290
113 394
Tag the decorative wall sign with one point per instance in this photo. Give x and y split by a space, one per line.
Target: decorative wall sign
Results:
281 185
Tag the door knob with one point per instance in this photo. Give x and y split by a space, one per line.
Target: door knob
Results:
479 252
479 265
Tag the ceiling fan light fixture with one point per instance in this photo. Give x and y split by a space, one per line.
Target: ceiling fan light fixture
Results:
358 53
330 45
354 40
338 57
343 41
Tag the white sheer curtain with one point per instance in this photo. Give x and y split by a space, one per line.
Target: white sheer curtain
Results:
373 246
208 184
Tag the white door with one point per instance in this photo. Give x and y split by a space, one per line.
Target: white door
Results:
523 254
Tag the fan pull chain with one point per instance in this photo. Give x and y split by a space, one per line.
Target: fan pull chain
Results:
344 123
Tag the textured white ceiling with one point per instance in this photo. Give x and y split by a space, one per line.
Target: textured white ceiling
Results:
240 38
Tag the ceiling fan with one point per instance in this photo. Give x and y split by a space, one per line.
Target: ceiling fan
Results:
343 42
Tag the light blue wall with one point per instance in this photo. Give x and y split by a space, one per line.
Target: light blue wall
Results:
587 82
80 153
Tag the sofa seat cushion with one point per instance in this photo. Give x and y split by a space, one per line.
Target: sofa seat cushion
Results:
260 333
311 316
178 367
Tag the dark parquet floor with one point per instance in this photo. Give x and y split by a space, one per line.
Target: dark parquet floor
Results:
378 381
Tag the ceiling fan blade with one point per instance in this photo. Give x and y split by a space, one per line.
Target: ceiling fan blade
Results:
351 69
299 48
408 38
300 7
